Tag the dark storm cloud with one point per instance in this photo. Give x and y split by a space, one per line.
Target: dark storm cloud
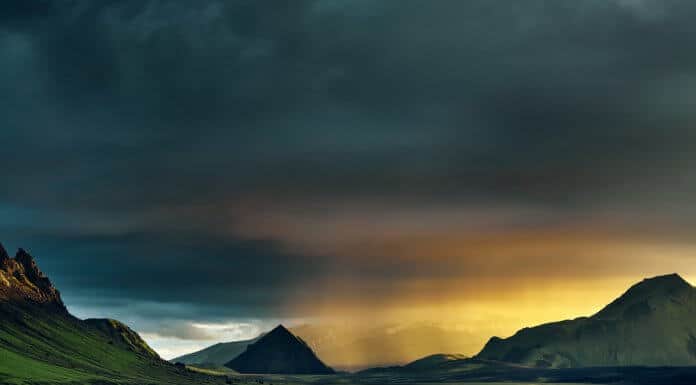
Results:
247 277
126 125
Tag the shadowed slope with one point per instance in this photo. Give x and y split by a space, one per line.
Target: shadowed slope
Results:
218 354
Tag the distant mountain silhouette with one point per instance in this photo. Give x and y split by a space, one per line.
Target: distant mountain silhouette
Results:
652 324
433 361
280 352
218 354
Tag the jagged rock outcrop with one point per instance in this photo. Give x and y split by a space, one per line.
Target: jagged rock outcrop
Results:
21 282
279 352
3 254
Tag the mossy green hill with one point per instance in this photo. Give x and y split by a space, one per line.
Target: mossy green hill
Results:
41 343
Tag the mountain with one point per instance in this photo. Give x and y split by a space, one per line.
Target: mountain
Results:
41 342
279 352
651 324
218 354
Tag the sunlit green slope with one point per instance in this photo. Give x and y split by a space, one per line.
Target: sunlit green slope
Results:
41 343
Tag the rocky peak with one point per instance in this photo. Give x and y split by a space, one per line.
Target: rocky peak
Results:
660 286
3 255
668 281
21 281
280 331
646 295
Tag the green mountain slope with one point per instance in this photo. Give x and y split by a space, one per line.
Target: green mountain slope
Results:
218 354
41 343
652 324
122 336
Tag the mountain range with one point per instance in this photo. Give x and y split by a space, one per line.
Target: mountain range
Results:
352 347
652 324
647 335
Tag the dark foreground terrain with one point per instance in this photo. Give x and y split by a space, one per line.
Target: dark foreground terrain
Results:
472 370
477 372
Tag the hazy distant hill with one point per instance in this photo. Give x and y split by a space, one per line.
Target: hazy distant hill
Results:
353 347
652 324
40 342
279 351
433 361
218 354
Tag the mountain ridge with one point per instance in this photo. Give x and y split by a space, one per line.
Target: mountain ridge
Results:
651 324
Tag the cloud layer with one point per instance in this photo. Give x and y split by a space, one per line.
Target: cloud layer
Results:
257 160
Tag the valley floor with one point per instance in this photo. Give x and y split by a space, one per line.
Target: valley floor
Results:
619 376
508 376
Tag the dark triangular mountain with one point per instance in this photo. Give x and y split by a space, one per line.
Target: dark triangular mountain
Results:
651 324
279 352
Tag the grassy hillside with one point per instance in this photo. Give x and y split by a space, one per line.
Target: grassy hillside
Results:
41 343
121 335
41 347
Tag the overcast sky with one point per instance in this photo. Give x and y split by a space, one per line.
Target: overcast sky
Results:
204 169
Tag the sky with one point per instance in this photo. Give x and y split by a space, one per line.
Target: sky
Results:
204 170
